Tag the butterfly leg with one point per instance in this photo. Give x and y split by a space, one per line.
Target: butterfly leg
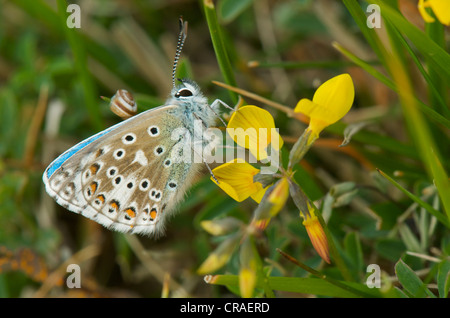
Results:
221 102
210 171
212 106
204 160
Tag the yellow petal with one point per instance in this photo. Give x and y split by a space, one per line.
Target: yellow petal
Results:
236 179
331 101
257 196
423 12
253 128
441 9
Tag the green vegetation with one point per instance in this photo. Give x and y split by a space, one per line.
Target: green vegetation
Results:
384 196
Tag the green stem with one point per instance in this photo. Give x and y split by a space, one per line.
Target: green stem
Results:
300 148
323 276
219 46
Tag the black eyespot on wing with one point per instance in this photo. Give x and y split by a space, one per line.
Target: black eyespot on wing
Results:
129 137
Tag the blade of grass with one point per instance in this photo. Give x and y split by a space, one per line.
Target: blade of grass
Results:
80 60
436 32
416 199
430 81
313 286
304 65
323 276
438 118
437 57
369 33
219 47
43 12
419 131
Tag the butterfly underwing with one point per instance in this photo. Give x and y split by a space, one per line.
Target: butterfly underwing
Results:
130 176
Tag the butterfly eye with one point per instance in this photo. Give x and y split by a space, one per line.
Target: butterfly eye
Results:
183 93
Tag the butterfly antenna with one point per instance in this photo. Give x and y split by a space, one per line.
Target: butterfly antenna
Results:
181 39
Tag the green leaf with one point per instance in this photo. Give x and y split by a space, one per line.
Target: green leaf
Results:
228 10
410 240
443 278
390 249
352 245
313 286
411 283
387 213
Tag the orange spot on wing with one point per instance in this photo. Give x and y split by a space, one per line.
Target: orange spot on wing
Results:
114 205
153 213
93 186
101 198
94 168
130 213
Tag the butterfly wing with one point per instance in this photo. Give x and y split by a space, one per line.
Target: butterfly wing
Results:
125 177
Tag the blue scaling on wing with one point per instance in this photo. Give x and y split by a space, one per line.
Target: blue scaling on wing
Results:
69 153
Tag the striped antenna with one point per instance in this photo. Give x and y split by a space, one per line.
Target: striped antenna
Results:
181 38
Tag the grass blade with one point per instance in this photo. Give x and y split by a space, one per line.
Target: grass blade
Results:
219 46
416 199
314 286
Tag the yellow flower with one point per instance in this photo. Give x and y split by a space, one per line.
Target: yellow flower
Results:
236 179
331 101
253 128
441 9
316 234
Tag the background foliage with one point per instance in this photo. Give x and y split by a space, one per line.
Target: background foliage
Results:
51 80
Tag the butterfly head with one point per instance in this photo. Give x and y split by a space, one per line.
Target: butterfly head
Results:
186 90
192 102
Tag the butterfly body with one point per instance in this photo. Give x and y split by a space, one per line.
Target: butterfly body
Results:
130 176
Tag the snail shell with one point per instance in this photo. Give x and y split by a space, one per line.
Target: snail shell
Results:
123 104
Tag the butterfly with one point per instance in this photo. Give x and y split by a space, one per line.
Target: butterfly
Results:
127 177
